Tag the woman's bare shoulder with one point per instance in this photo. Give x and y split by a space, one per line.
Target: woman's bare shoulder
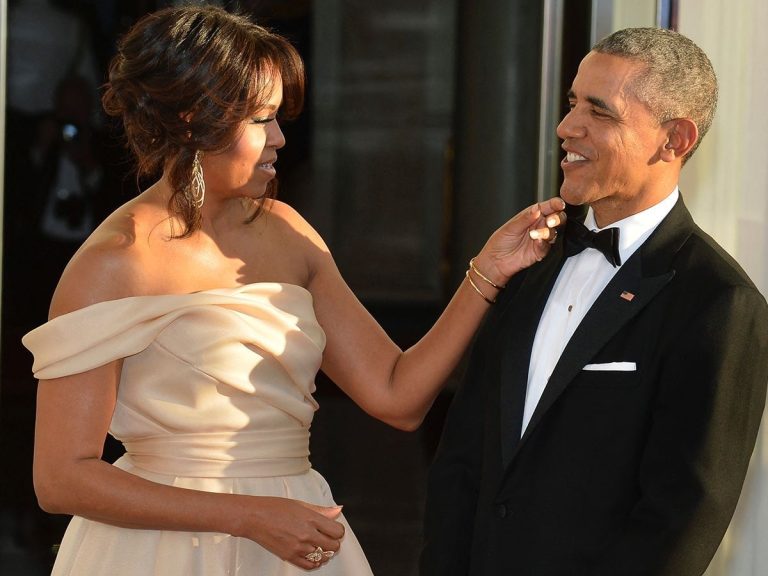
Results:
296 223
304 243
113 263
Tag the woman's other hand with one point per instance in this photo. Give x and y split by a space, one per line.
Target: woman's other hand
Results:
292 529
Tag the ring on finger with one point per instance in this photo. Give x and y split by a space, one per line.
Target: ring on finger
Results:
317 555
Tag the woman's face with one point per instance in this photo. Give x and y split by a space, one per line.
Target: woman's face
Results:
245 169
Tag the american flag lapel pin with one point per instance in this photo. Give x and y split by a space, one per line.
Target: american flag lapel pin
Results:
628 296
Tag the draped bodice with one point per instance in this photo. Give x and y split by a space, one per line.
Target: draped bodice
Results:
213 383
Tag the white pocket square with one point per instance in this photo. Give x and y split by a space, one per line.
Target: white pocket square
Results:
612 367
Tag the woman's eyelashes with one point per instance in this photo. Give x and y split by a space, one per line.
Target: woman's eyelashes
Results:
263 119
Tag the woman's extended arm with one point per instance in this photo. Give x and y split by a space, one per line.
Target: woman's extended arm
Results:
399 387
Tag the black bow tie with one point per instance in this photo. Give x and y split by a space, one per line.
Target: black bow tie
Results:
578 237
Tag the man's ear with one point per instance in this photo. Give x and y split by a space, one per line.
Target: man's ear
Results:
682 135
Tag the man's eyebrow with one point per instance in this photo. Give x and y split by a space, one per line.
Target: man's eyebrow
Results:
600 103
594 100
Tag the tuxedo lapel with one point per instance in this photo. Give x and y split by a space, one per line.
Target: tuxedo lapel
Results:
640 279
516 342
624 297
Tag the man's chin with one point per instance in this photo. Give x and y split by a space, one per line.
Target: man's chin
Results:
571 196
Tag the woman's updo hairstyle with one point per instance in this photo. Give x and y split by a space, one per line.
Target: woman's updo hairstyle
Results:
184 79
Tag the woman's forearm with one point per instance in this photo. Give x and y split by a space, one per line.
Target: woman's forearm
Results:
422 370
96 490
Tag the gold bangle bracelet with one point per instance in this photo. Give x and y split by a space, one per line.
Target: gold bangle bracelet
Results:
472 283
483 276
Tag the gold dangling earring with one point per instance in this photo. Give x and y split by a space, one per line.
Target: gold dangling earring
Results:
196 192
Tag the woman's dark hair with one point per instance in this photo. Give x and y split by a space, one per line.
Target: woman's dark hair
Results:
184 79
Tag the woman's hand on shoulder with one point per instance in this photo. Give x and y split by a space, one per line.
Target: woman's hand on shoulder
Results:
522 241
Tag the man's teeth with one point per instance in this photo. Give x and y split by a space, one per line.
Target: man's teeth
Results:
573 157
267 165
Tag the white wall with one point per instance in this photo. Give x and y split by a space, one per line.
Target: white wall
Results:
726 187
727 180
611 15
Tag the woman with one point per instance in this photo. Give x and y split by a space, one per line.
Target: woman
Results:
192 322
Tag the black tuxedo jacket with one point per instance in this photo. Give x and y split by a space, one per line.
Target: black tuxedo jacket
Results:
618 473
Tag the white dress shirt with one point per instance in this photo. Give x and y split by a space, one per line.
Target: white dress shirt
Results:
581 280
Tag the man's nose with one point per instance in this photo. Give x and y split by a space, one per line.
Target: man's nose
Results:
570 127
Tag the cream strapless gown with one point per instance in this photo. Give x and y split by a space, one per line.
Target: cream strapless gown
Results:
215 395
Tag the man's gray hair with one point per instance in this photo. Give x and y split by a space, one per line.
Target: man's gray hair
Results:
677 81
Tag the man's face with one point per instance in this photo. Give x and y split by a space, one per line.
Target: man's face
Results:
612 142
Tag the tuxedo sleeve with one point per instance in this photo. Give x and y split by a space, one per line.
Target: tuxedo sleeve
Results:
710 399
453 483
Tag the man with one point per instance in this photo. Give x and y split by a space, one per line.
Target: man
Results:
612 402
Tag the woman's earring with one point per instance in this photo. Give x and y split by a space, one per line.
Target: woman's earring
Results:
196 192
